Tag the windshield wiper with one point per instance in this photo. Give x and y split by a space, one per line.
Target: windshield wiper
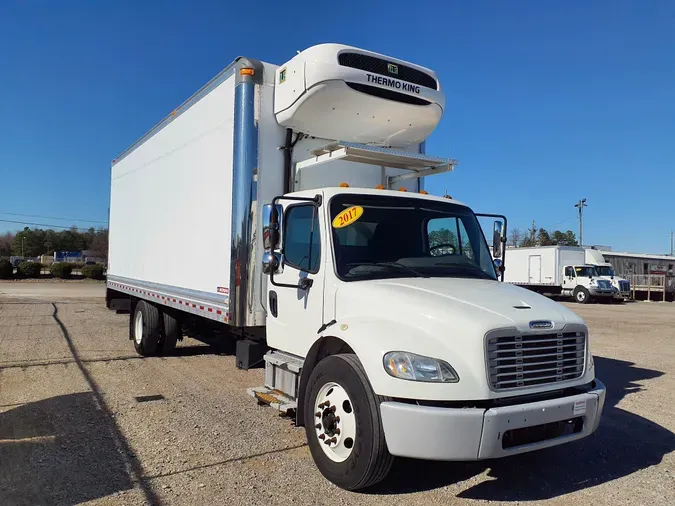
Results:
398 265
467 266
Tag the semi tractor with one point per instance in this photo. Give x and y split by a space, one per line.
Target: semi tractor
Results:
377 308
557 270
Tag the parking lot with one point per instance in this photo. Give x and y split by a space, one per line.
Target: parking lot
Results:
83 418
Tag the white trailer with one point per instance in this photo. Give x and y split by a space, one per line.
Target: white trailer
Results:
556 270
383 320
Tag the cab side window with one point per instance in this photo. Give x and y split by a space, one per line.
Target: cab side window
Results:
302 245
569 272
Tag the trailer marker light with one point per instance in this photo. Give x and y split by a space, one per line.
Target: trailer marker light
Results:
424 192
344 185
379 187
401 189
447 197
246 72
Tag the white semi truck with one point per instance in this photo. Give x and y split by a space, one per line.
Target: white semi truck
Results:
605 271
384 324
557 270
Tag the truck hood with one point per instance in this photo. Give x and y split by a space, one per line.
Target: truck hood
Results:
479 303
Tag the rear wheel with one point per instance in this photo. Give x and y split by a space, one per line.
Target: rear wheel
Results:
171 333
581 295
145 329
343 424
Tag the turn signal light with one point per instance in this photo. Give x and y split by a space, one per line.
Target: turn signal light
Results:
246 72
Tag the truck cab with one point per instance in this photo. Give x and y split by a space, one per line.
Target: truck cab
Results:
605 271
584 283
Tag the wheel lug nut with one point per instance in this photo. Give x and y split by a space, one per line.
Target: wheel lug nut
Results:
322 436
332 440
318 414
332 408
337 419
337 431
327 403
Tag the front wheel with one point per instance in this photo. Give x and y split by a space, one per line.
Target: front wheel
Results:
343 424
581 295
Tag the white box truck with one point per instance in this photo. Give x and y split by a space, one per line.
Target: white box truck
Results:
387 330
605 271
557 270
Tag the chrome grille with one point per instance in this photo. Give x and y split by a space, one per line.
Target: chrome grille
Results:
535 359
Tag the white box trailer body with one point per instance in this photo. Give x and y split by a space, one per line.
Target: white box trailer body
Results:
286 203
556 270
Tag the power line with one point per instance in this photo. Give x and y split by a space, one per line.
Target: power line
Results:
53 218
42 225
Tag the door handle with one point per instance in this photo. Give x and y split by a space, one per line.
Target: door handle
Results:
274 310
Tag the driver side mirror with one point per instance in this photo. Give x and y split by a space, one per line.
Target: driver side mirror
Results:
497 239
272 219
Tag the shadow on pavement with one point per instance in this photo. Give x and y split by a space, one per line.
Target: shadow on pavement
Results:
61 450
623 444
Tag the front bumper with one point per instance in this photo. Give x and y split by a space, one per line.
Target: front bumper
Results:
433 433
602 292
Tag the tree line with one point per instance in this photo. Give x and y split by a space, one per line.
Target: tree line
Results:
541 237
35 242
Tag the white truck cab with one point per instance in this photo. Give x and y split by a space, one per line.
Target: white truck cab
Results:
583 281
382 319
605 271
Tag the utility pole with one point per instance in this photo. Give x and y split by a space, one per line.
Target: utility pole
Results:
672 244
532 232
581 204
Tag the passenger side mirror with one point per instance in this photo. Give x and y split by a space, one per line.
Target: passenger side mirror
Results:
272 219
499 267
497 239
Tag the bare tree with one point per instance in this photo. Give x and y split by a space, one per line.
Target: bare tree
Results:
515 237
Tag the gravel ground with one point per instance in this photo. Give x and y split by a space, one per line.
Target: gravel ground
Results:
72 430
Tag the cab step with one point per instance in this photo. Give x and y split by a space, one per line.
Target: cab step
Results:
273 398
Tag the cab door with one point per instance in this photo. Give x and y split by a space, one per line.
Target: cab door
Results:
295 289
569 281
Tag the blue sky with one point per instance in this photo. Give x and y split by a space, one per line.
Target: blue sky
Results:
547 102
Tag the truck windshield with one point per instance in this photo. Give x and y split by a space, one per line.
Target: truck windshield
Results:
585 272
604 270
399 237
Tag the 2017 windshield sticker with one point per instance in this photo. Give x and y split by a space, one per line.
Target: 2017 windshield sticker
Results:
347 217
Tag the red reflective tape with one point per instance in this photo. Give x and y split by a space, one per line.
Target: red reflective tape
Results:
174 300
210 310
194 305
180 302
201 307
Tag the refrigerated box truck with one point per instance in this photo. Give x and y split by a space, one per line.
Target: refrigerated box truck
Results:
386 326
557 270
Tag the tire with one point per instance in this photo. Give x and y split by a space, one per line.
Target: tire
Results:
365 460
171 333
581 295
145 329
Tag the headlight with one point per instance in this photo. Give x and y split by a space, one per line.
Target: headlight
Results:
410 366
594 282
